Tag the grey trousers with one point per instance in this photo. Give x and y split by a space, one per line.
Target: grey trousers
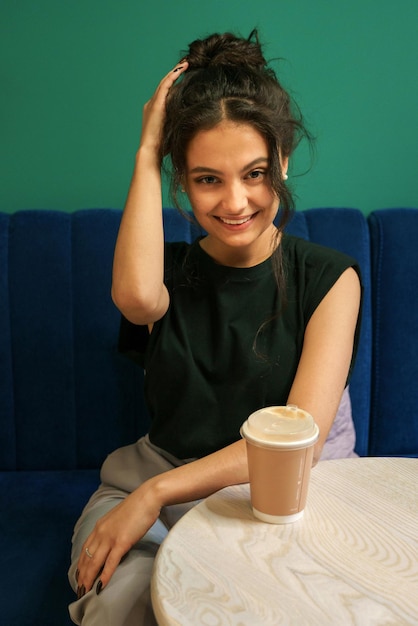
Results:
126 600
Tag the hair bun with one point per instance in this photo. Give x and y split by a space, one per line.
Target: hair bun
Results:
226 49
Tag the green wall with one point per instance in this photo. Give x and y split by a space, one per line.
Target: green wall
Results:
75 74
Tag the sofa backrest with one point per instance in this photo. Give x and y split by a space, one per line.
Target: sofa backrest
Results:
394 401
67 398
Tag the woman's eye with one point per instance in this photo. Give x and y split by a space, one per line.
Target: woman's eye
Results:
207 180
256 174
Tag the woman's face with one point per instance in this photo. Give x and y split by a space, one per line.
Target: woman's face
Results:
229 189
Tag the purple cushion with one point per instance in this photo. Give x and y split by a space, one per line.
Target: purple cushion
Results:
342 436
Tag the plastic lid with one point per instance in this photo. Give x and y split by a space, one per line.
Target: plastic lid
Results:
280 426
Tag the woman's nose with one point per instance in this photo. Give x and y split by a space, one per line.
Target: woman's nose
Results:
235 198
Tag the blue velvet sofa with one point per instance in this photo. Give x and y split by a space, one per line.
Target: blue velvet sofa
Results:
67 398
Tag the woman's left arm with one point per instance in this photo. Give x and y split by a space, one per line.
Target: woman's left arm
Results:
327 352
317 388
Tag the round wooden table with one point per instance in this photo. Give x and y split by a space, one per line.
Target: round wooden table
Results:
352 558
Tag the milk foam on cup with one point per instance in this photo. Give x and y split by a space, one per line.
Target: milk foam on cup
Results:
280 444
285 426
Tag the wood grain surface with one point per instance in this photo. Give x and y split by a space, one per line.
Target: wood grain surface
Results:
352 559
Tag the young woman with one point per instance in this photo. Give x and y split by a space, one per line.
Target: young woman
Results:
245 317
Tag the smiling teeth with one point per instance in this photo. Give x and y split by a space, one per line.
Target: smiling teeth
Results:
235 222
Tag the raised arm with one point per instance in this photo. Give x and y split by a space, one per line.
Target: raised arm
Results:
138 288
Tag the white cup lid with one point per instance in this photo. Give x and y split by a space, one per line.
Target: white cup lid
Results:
280 426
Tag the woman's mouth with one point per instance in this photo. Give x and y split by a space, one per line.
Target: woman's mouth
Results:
235 222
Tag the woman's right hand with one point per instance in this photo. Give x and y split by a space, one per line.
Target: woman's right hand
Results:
138 288
154 109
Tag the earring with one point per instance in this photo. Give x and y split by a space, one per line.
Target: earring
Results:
285 176
183 190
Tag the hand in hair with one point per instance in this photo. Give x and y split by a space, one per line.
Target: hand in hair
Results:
138 288
154 109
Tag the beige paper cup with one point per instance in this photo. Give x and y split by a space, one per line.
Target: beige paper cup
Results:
280 443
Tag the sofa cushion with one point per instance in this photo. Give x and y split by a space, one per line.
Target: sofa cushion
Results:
38 513
341 440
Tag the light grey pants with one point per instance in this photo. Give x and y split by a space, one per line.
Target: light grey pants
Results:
126 600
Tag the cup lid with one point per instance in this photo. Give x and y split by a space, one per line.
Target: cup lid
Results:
280 426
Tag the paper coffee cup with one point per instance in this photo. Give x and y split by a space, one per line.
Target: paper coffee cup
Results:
280 443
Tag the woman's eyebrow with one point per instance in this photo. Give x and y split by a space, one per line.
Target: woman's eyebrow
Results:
200 169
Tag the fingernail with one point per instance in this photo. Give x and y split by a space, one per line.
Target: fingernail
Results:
178 68
81 591
77 574
99 587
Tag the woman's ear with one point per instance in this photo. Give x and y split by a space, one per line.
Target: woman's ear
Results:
284 162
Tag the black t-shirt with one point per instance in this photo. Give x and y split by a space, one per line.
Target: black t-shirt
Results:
227 345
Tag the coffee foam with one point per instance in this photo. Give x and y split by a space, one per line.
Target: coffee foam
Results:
280 426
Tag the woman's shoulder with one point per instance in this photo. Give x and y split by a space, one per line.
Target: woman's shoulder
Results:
312 269
181 262
297 250
176 253
177 249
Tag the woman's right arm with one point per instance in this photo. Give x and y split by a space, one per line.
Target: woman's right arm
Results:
138 288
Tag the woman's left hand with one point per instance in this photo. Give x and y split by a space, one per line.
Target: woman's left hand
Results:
120 529
114 535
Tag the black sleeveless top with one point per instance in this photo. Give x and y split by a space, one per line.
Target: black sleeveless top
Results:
227 344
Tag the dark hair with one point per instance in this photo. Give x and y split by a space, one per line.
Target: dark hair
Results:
228 78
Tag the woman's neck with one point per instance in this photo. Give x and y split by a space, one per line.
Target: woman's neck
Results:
242 256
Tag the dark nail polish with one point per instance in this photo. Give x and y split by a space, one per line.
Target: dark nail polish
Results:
77 574
99 587
178 68
81 591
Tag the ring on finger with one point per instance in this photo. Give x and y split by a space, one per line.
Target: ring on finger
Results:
89 554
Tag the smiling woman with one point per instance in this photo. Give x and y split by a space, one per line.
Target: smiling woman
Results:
245 317
229 80
228 184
